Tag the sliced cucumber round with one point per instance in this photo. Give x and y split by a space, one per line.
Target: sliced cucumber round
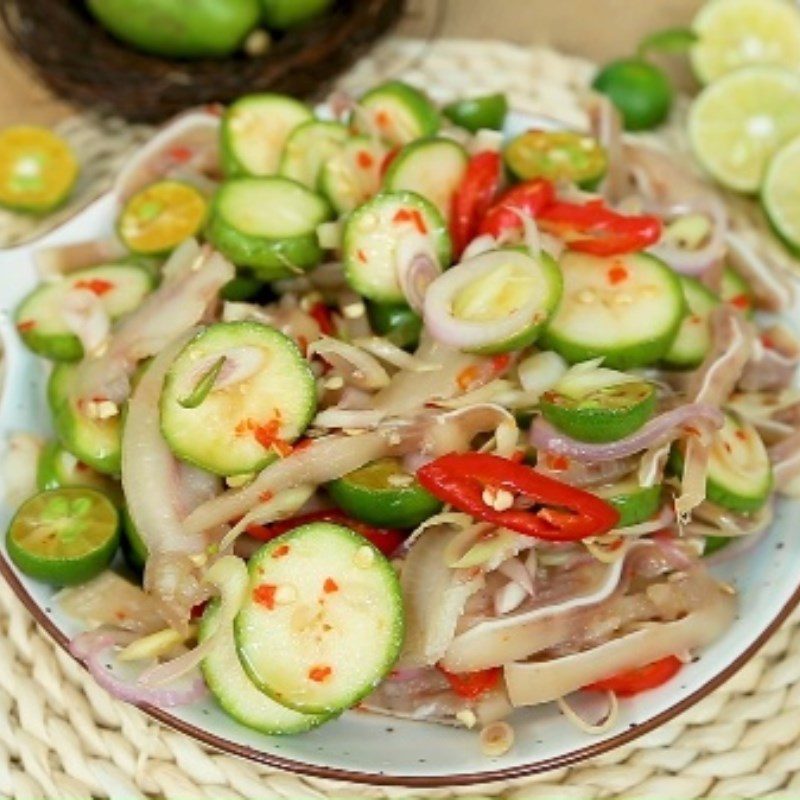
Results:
373 233
493 303
400 113
254 132
237 695
352 175
433 168
40 317
694 335
96 442
625 309
739 469
268 224
384 494
236 397
635 503
132 545
57 468
308 147
736 291
603 414
330 604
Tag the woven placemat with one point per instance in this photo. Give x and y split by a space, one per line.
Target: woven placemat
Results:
61 736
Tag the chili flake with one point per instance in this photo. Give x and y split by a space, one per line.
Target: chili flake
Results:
617 274
281 551
27 325
364 159
330 586
319 674
264 595
97 286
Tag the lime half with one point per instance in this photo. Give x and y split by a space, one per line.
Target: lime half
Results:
780 194
739 33
64 536
738 123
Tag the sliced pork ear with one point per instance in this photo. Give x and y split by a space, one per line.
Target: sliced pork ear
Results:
435 596
53 262
713 382
606 124
193 277
542 681
749 253
774 361
785 457
189 145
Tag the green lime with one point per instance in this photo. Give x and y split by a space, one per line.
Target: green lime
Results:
638 89
487 111
37 169
384 494
780 194
741 120
398 323
64 536
740 33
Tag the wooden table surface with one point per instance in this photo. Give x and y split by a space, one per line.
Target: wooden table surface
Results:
578 26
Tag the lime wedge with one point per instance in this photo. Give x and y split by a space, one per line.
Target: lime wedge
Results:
780 194
739 122
739 33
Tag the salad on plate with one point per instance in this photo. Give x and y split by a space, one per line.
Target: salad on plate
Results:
387 411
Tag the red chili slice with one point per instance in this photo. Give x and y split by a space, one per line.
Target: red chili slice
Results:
555 511
641 679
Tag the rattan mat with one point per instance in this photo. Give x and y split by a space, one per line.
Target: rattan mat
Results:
61 736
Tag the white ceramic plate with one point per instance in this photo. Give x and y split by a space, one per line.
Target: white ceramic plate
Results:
372 749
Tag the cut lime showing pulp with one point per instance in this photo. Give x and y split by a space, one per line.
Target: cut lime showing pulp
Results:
739 33
37 169
161 216
739 122
64 536
780 194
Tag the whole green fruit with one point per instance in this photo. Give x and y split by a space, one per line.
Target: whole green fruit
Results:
639 90
280 15
179 28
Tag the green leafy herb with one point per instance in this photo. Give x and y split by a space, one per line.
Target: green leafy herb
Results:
204 385
671 40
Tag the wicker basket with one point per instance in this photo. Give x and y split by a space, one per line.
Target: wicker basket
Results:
79 61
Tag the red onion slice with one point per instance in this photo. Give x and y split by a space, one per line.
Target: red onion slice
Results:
695 262
545 437
90 648
417 268
465 334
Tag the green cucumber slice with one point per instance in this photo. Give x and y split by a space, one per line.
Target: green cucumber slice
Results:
694 335
736 291
241 425
400 113
400 324
385 495
629 323
635 504
739 473
433 168
557 156
352 175
40 318
254 132
308 147
64 536
57 468
237 695
494 303
739 469
487 111
328 601
268 224
373 233
602 415
132 545
96 442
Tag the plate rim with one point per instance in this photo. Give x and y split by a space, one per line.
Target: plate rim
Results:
381 778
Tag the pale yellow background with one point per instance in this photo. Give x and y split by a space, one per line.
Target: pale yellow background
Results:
599 29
